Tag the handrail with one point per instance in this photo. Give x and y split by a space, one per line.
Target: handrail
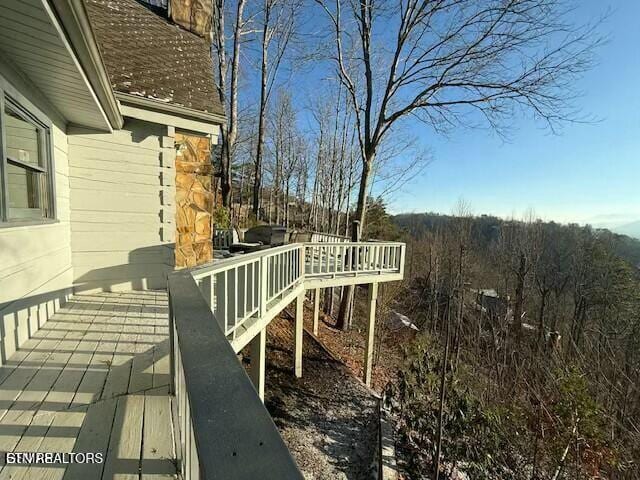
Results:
223 430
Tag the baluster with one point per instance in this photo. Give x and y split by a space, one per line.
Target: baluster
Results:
234 297
264 276
272 267
326 258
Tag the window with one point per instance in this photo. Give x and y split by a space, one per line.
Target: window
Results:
26 190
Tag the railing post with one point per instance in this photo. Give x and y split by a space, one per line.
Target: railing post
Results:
403 249
316 310
299 334
371 324
302 251
258 354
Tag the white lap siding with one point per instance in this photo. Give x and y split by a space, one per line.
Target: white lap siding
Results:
35 264
122 207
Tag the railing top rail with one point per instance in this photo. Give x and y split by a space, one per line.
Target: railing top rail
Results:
335 235
347 244
234 434
228 263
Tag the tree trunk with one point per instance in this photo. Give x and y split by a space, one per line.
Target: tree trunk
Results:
230 134
348 293
443 385
257 179
519 300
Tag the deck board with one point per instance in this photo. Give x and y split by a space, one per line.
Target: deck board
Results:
94 378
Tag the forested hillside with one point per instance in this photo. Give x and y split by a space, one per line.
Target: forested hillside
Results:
527 364
485 229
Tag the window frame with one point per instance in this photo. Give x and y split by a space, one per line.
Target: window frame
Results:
28 112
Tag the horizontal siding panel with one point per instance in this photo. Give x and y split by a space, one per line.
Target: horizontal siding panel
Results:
122 140
161 254
87 217
116 188
61 164
122 241
128 179
107 167
119 273
106 227
62 185
32 275
59 139
110 201
20 245
62 210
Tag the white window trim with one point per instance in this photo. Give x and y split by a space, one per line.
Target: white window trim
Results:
26 107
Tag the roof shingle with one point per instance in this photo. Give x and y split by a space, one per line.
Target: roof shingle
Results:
147 55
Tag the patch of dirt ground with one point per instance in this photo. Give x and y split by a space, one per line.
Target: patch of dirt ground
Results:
327 418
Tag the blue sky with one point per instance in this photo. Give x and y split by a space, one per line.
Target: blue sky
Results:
588 174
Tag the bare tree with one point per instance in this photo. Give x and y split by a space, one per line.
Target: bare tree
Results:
454 63
230 130
278 25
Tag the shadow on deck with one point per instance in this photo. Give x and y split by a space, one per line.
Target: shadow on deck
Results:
93 379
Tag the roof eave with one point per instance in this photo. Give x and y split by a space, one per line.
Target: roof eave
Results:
74 19
171 108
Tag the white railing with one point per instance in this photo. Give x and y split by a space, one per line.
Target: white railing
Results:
248 286
284 270
317 237
222 238
242 287
355 258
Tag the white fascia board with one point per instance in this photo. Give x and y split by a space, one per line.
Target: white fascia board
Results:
169 119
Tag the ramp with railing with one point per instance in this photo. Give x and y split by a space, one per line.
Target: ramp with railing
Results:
217 310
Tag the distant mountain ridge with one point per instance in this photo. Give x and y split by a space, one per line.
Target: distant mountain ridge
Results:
625 240
630 229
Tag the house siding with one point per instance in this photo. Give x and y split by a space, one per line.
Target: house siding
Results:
122 206
35 263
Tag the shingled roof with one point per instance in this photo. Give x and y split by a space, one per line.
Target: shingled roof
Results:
147 55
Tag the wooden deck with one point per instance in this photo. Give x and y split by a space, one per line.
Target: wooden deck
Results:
93 379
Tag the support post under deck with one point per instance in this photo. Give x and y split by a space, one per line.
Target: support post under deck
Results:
371 323
258 348
316 310
298 335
